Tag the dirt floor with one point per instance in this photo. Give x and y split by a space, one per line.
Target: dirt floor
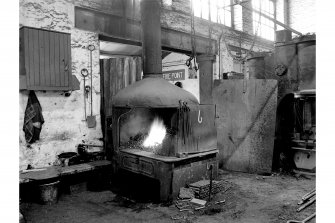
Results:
251 199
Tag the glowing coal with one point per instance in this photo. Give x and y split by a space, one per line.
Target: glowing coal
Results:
156 135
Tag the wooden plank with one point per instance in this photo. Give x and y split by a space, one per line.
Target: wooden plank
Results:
66 60
31 78
36 58
126 72
45 173
138 68
69 60
84 167
102 100
57 60
47 58
52 59
132 70
112 79
119 74
42 57
22 54
106 86
56 171
112 82
26 51
51 88
61 59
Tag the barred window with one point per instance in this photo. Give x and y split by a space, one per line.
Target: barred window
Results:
262 26
218 11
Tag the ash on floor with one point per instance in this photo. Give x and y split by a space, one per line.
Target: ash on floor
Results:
252 199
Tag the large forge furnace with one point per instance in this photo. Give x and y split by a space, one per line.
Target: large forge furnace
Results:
158 129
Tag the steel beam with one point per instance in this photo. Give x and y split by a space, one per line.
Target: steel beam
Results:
112 27
273 20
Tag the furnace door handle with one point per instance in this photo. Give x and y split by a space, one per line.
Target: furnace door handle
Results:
199 117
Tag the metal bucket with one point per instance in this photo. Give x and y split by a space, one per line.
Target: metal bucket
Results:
49 193
306 64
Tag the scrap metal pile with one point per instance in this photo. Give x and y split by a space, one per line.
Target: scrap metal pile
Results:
306 201
201 188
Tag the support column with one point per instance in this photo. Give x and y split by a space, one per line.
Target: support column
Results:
206 78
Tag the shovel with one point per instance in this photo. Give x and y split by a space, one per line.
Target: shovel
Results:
303 221
91 122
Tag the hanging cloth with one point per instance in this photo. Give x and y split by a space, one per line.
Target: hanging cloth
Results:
33 119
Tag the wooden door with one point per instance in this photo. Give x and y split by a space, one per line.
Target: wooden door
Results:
116 74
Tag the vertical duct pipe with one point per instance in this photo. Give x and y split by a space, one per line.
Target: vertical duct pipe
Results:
151 38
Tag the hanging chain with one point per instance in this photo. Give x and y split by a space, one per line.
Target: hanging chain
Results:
193 44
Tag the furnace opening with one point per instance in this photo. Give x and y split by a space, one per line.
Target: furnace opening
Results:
148 129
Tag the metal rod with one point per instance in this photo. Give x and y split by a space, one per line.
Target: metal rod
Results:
306 205
304 199
84 99
91 83
309 193
308 196
210 181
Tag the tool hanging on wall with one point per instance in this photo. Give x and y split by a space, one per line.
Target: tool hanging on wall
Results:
91 121
84 73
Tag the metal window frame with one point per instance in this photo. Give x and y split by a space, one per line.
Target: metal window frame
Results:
266 12
231 10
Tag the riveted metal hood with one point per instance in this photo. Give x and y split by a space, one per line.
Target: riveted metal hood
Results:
153 92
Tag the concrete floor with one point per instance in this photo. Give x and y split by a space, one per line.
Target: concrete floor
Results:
251 199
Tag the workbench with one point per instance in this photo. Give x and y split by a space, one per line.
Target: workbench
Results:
58 171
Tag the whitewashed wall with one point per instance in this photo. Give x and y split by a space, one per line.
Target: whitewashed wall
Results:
176 61
64 125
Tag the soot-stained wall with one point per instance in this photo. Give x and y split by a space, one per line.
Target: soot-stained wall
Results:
64 125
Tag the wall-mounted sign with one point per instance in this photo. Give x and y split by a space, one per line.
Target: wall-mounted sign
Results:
174 75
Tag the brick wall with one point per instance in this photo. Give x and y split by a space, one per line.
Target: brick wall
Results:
302 15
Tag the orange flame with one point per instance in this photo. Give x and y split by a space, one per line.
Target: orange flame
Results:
156 135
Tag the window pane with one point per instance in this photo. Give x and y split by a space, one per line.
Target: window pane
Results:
271 10
221 16
197 8
214 10
266 27
238 17
205 9
228 18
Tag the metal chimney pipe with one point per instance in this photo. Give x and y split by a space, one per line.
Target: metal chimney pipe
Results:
151 38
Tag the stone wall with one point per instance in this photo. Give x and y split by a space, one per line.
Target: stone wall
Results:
64 125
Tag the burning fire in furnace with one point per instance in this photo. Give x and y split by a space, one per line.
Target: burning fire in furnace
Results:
156 135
